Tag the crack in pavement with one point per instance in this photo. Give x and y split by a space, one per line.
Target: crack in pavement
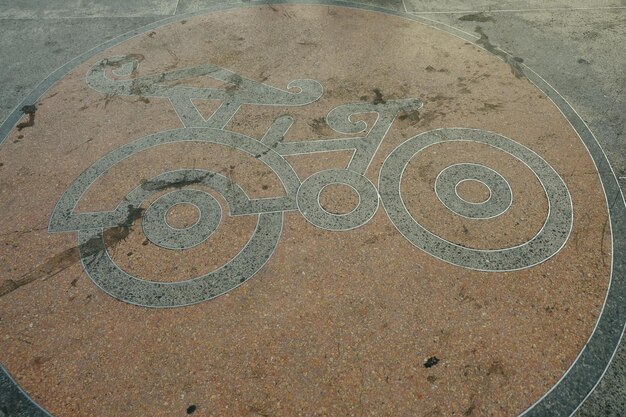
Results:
513 62
67 258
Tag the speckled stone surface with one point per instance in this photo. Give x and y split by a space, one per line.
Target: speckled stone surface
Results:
336 246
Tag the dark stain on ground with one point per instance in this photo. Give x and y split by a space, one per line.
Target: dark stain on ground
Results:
430 68
413 116
319 126
431 378
137 89
160 185
234 83
151 34
90 250
488 106
583 61
424 118
477 17
470 410
191 409
430 362
182 22
378 97
30 110
265 152
440 97
496 368
513 62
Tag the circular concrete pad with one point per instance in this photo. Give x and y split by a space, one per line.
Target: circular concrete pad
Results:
413 293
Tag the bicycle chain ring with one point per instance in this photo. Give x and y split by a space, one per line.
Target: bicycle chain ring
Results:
203 166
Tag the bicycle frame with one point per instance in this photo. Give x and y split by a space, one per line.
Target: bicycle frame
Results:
303 196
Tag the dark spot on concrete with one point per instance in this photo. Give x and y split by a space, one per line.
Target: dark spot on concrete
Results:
477 17
151 34
30 110
430 68
372 240
591 34
1 164
257 156
319 126
470 410
488 106
496 368
583 61
378 97
413 116
440 97
234 83
137 89
191 409
430 362
160 185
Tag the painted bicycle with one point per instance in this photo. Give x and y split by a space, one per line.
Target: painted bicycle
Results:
302 196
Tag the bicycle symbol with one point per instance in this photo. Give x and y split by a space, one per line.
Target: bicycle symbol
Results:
302 196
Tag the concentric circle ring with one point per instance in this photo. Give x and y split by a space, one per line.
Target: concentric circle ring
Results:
500 194
545 244
311 208
159 232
